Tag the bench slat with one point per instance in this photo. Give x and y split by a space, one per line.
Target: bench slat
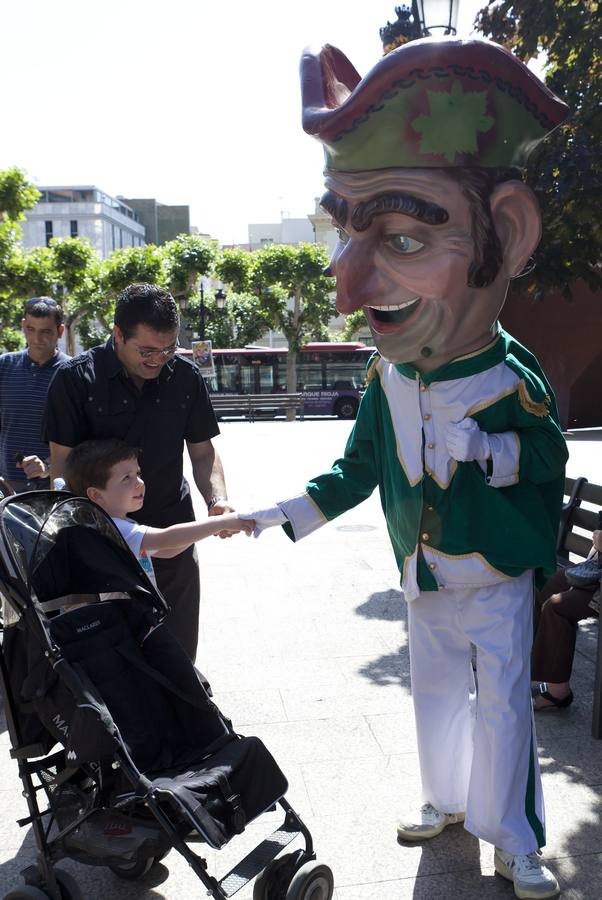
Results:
591 493
576 543
584 518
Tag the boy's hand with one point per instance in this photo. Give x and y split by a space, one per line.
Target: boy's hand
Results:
597 540
233 524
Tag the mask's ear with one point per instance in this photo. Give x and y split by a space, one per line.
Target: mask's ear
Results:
517 221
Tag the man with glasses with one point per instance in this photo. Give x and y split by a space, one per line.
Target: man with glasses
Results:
135 388
24 380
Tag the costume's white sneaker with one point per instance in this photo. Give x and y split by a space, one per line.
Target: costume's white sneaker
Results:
426 822
532 881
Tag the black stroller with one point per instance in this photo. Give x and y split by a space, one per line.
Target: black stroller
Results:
121 751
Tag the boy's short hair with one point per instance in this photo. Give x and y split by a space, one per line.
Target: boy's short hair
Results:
90 463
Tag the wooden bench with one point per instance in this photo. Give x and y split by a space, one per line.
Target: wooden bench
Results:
579 543
249 405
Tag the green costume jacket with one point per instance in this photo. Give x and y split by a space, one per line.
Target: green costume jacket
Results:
452 523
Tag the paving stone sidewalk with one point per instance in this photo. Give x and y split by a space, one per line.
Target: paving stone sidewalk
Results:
306 646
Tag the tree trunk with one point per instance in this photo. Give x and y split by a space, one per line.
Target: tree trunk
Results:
291 359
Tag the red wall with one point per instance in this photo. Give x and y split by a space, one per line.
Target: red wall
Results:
566 337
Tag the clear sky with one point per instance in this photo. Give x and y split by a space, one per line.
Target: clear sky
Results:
188 101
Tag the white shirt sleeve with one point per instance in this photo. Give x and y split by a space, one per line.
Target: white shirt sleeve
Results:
132 533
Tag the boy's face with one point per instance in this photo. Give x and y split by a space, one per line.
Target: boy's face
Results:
124 491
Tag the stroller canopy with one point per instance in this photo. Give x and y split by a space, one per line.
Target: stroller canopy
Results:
55 545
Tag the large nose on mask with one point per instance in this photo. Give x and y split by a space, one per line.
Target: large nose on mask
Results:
357 281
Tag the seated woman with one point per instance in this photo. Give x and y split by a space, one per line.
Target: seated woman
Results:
558 609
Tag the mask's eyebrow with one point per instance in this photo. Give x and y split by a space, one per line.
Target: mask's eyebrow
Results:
335 206
408 204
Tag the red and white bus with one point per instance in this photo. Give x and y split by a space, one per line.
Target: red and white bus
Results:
330 376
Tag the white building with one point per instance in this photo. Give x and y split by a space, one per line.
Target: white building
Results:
82 211
287 231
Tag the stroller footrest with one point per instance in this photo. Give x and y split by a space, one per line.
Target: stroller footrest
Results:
256 861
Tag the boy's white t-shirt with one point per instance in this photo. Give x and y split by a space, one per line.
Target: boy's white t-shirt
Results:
133 534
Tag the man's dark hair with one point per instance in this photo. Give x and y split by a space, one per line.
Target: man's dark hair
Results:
146 304
90 463
40 307
477 185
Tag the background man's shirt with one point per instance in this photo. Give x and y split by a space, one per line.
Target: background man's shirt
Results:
23 390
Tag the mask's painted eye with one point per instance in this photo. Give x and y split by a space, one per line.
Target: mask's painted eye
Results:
401 243
343 236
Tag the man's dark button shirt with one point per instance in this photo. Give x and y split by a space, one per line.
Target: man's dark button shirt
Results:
93 397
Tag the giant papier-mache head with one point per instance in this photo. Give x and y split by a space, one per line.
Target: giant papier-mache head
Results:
423 177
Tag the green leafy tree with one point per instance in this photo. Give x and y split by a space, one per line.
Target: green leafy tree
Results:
353 322
242 321
296 294
17 195
565 170
234 266
186 260
131 265
78 269
127 265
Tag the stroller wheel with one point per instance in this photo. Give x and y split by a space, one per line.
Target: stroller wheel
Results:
66 882
27 892
130 871
313 881
272 883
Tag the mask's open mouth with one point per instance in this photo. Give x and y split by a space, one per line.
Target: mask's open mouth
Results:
394 315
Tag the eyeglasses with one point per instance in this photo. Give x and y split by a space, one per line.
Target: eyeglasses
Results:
165 353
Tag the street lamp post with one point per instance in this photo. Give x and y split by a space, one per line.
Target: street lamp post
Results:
420 20
220 303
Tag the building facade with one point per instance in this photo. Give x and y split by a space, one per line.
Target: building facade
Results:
161 221
86 212
287 231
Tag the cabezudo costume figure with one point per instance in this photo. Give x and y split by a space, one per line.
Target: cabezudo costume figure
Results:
458 426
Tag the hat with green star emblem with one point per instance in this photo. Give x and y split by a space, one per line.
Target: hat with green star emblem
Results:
430 103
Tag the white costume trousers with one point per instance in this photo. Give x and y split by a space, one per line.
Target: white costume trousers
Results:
485 765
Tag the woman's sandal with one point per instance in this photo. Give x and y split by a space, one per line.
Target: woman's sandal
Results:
541 690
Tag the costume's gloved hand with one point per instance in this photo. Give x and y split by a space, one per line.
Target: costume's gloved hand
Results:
465 441
265 518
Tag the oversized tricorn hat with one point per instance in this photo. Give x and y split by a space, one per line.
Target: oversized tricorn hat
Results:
430 103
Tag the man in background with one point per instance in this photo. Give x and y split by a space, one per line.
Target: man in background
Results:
136 389
24 380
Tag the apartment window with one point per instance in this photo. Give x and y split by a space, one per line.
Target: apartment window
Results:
48 226
114 236
73 227
121 237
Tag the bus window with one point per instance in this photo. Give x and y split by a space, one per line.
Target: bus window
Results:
247 377
228 377
266 379
309 376
345 376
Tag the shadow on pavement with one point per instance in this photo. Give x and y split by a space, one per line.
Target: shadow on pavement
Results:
94 882
394 667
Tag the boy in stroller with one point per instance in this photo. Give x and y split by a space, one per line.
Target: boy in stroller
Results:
107 471
143 747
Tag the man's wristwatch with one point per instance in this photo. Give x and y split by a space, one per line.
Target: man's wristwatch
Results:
214 501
